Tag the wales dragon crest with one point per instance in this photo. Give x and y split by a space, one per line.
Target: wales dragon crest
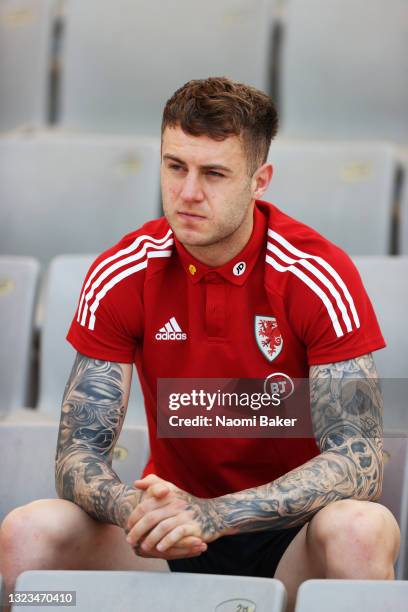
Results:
268 336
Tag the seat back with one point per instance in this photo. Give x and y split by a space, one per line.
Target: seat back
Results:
27 457
18 282
342 595
385 281
338 189
332 56
74 194
106 591
403 237
60 298
25 61
162 46
395 492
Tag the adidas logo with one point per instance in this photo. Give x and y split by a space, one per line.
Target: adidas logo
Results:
171 331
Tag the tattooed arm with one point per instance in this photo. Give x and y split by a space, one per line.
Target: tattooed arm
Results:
346 405
93 410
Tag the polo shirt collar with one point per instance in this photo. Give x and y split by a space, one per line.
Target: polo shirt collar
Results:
238 269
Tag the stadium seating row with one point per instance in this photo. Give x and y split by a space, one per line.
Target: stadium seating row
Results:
106 591
27 454
79 194
24 480
60 292
338 69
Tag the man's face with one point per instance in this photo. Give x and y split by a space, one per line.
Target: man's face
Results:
206 190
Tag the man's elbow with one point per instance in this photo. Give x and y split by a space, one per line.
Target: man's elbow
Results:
58 484
373 483
378 483
64 484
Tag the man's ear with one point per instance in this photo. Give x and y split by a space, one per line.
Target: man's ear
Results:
261 180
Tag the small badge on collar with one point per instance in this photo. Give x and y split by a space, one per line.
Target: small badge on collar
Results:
239 268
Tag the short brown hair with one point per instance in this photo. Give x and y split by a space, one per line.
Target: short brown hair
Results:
218 107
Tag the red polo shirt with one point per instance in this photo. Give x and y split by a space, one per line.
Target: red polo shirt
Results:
148 301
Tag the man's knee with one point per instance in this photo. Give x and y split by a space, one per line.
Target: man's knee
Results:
350 532
38 526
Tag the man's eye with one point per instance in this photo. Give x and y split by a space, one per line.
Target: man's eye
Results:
175 167
214 173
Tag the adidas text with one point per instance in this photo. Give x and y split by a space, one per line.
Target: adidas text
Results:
171 336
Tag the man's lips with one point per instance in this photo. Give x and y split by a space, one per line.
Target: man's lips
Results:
190 216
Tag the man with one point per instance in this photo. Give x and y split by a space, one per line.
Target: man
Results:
290 508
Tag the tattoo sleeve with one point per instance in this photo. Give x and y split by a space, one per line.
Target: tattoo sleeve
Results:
347 406
92 415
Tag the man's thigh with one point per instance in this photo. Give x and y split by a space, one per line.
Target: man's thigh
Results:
61 534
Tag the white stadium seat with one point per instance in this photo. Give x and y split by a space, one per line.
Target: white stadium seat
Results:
18 283
74 194
59 301
27 457
395 492
385 281
352 595
25 46
344 69
167 592
404 215
343 190
117 76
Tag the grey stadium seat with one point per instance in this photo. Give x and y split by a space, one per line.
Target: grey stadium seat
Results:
350 595
123 591
27 455
343 190
395 492
385 279
404 214
60 298
18 281
111 87
25 44
344 70
74 194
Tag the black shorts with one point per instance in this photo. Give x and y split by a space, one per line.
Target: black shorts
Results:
243 554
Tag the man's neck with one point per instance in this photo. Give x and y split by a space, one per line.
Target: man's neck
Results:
225 250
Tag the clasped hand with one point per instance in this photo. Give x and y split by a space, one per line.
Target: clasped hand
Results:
166 522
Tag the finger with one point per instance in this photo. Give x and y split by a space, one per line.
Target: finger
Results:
157 490
163 528
150 520
189 542
174 553
143 508
144 483
185 544
179 532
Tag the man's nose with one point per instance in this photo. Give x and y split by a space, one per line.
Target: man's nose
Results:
191 190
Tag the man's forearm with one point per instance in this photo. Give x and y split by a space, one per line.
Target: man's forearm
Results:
346 406
93 411
92 484
292 499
